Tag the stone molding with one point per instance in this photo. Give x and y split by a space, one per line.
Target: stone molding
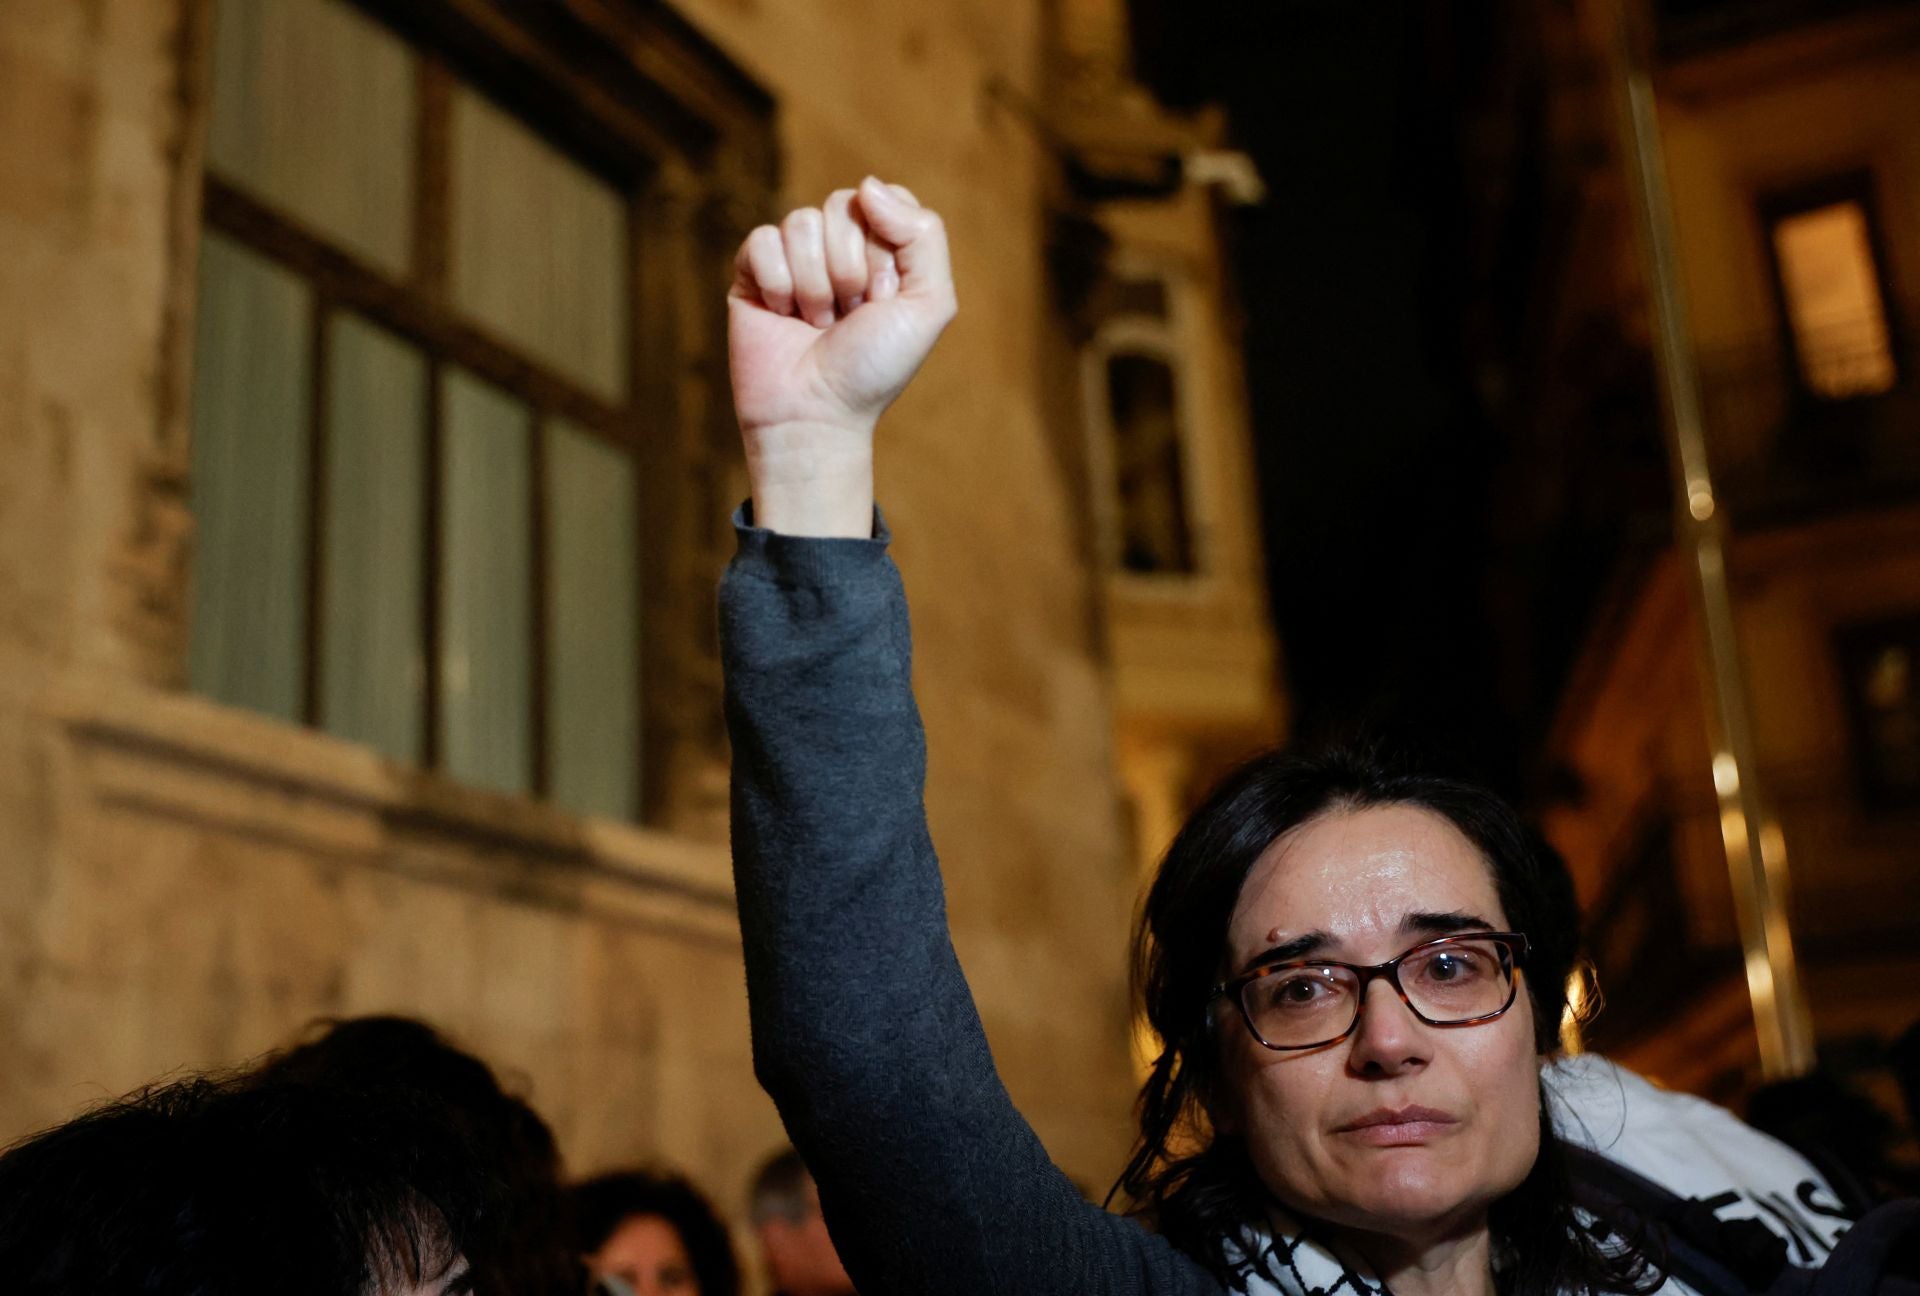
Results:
148 752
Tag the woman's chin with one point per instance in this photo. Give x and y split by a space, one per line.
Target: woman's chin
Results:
1409 1201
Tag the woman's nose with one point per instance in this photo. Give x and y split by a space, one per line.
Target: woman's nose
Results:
1389 1039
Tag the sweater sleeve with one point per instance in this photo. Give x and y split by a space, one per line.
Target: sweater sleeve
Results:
864 1031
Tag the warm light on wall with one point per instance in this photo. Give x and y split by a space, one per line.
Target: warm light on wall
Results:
1146 1046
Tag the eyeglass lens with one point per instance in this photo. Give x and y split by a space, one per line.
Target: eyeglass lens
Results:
1454 981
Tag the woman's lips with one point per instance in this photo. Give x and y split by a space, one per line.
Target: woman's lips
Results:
1398 1126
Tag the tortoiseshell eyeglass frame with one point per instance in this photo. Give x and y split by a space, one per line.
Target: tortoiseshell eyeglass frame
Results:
1513 943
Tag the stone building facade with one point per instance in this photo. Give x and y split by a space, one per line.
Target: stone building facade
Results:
1173 524
186 882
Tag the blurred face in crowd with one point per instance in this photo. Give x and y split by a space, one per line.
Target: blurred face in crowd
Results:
800 1256
647 1254
1400 1129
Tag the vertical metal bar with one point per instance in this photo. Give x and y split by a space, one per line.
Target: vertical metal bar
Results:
639 782
648 386
1755 849
319 359
432 237
539 606
665 250
431 667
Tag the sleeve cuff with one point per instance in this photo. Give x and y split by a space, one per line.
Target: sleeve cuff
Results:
809 560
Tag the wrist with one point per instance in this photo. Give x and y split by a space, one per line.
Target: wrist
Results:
821 509
812 481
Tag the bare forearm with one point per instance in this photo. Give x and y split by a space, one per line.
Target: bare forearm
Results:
810 481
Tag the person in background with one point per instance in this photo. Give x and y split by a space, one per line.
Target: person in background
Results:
785 1212
646 1234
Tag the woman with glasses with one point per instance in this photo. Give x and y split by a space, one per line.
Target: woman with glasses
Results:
1358 974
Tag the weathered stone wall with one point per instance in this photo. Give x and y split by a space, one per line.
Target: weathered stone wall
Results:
183 886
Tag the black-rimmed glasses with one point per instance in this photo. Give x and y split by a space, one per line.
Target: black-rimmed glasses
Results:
1452 981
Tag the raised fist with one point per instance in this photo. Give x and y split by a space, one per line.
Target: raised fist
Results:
830 315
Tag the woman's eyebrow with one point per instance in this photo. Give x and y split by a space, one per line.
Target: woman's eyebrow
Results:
1298 947
1428 924
1444 924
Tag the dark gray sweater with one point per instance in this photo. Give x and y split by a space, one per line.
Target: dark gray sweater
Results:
864 1030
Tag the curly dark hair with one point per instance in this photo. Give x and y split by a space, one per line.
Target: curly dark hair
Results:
602 1204
1199 1186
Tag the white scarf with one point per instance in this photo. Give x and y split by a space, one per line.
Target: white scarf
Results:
1684 1143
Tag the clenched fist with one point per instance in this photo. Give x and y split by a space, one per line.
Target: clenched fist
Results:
830 315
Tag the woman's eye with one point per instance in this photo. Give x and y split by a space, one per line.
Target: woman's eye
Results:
1453 965
1297 991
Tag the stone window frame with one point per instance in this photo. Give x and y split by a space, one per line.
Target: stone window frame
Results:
1123 327
634 93
1877 786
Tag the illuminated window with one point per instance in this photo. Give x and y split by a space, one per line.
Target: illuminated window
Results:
1830 281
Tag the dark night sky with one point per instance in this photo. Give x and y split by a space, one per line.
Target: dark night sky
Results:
1422 592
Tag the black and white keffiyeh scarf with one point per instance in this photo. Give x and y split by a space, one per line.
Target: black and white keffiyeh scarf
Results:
1303 1262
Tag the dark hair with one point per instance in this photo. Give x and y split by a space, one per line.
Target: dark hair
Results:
524 1248
602 1204
223 1187
1198 1186
782 1189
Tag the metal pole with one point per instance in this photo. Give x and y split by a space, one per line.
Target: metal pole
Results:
1755 848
